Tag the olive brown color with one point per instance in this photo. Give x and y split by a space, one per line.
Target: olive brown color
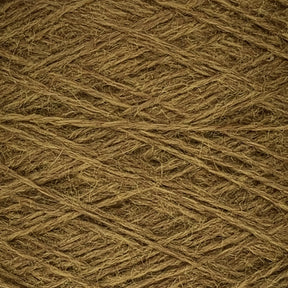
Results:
144 143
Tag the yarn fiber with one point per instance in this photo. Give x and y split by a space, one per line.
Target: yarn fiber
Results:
144 143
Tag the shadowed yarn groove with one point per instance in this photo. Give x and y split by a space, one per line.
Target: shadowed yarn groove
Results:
144 143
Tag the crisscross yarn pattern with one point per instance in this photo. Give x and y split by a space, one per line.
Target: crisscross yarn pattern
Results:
144 143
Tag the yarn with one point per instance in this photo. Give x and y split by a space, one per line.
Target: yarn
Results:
144 143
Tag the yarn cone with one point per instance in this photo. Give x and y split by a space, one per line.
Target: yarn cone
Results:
143 144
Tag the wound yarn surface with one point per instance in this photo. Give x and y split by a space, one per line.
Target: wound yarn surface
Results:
144 143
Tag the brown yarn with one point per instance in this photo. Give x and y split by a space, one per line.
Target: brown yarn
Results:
144 143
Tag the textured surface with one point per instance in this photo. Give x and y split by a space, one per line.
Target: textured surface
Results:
144 143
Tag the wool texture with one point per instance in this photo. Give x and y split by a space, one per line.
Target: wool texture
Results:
143 143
